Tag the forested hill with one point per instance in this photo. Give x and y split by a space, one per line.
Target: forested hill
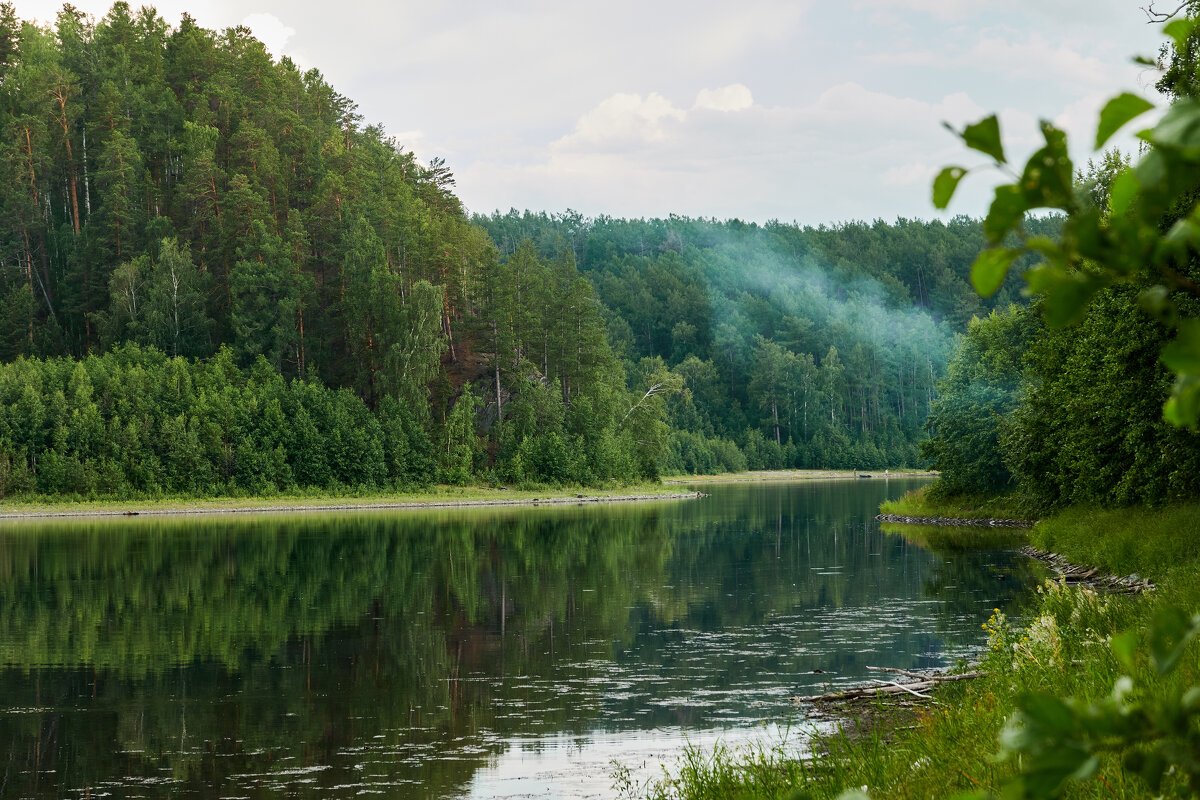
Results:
214 277
808 347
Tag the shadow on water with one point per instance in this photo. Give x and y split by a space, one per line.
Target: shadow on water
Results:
420 653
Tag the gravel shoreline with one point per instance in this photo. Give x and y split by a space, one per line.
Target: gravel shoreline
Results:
346 506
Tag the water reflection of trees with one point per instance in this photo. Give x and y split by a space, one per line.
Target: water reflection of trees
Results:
203 650
976 569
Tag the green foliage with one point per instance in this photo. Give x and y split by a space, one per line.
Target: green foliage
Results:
748 316
133 422
1061 740
1147 237
1090 427
981 390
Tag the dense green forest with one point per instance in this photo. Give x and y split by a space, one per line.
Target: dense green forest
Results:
797 346
186 223
1091 394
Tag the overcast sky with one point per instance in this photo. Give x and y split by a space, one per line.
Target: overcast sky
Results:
797 111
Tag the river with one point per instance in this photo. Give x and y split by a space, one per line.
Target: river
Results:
468 652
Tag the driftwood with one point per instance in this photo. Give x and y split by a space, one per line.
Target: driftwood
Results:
922 683
1090 576
937 677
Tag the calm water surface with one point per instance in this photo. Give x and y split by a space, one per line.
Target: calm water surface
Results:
480 653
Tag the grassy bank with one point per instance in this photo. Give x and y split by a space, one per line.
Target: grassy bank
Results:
1063 650
926 503
421 498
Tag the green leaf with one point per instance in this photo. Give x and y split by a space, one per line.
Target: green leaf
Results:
1179 30
1083 230
1183 407
984 136
1051 768
945 184
1048 249
1180 126
1121 193
1006 212
853 794
1182 354
1048 177
1048 713
1044 276
1124 647
1067 302
1117 112
1156 301
1170 631
990 269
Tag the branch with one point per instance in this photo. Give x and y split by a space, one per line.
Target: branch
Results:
1154 17
1181 281
656 389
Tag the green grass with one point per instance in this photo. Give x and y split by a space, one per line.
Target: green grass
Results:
1060 649
436 494
926 502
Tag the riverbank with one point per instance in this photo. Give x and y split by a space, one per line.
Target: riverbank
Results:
758 476
1004 509
1061 648
435 497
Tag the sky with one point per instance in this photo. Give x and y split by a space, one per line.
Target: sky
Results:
798 111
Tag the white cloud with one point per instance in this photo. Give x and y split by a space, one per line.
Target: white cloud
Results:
635 155
734 97
947 10
1036 57
625 119
269 30
912 174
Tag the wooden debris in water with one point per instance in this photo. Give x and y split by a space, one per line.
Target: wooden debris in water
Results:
922 683
1073 574
955 522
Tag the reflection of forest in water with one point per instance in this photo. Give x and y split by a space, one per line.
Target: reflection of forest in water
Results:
204 656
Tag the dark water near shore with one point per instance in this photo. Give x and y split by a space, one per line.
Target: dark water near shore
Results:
484 653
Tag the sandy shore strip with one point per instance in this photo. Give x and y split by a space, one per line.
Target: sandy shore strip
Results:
348 505
798 475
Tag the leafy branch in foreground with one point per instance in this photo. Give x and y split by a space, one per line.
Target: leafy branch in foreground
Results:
1149 233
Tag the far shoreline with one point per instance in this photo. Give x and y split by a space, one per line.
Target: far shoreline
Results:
441 497
494 498
763 476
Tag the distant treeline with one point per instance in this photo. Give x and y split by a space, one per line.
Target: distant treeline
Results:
798 346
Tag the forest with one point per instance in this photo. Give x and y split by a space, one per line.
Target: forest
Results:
216 278
187 222
1088 396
